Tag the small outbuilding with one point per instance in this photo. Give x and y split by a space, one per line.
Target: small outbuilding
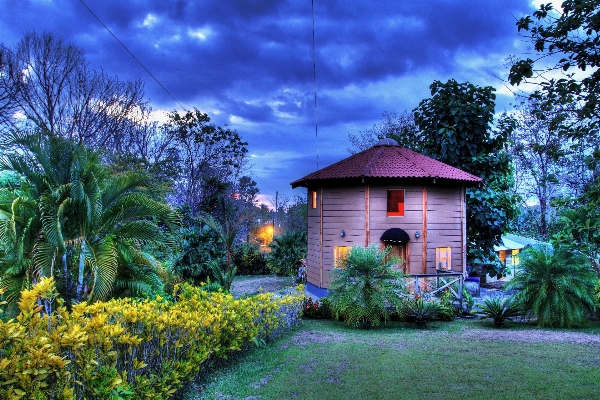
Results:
389 195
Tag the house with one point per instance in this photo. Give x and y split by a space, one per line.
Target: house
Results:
390 195
508 253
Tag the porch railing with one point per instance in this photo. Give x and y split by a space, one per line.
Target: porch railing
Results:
430 284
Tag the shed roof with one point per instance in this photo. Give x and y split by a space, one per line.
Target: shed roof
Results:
388 160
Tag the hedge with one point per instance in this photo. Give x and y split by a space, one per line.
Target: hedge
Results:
129 348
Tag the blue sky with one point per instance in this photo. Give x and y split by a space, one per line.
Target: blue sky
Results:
249 64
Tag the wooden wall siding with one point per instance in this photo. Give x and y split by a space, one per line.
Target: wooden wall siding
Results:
344 208
411 222
444 225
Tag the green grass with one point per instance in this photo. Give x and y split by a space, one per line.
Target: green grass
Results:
326 360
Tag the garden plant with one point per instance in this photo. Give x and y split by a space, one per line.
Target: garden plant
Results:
367 288
128 348
555 286
499 309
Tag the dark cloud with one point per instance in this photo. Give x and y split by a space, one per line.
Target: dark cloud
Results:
252 61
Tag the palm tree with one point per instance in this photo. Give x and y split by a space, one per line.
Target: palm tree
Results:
93 226
555 286
19 224
228 230
367 286
286 251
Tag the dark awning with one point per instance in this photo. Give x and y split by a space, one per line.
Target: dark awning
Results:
395 235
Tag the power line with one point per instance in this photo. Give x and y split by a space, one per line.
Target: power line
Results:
315 82
132 55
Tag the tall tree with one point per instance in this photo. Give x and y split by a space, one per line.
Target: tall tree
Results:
456 127
567 43
50 84
212 158
541 160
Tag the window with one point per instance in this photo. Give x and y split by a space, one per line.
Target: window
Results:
395 203
515 257
340 253
502 256
443 258
313 199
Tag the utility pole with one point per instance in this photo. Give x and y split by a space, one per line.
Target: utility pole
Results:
275 219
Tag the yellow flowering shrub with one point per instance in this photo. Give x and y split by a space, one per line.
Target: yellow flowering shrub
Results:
141 349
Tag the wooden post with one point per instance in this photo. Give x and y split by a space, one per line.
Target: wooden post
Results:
424 229
463 228
367 228
321 237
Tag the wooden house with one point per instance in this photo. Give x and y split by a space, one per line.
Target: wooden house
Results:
390 195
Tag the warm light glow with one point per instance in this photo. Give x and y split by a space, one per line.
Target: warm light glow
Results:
264 235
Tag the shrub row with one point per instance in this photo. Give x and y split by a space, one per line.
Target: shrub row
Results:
127 348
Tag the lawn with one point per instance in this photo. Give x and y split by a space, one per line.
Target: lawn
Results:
453 360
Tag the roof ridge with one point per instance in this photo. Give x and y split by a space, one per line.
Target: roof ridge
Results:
412 158
373 160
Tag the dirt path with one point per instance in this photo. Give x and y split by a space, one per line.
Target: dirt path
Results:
244 285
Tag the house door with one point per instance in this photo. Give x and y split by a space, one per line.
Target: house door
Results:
399 250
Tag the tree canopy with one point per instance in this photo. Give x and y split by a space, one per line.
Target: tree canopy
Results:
567 68
456 126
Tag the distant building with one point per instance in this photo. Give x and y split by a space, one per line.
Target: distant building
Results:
508 252
389 195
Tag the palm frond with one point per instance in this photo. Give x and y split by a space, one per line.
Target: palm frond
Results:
104 265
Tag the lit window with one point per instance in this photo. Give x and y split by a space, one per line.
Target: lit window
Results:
442 258
515 257
340 253
502 256
395 203
313 197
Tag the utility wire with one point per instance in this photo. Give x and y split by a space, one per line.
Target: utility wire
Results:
315 82
132 55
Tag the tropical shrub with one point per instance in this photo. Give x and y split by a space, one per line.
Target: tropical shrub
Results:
367 287
555 287
198 246
249 260
422 311
222 274
448 309
499 309
74 221
286 251
468 301
141 349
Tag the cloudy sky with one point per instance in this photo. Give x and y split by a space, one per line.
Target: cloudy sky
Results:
249 63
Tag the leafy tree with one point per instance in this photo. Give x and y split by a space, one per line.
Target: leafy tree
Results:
19 226
455 126
93 225
541 160
366 288
580 220
211 159
286 251
556 287
566 40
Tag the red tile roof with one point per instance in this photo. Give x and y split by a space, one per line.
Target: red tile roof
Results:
388 160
